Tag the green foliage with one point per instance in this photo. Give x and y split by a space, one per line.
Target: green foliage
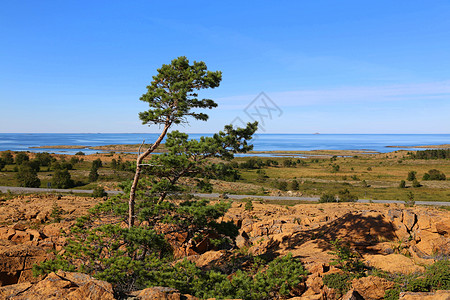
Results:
99 192
294 185
416 183
93 174
282 185
248 205
341 282
21 157
171 95
431 154
8 157
434 174
402 184
27 176
435 277
438 275
56 213
204 186
392 294
97 163
411 175
327 197
410 199
79 153
62 180
346 196
261 176
335 168
44 159
347 260
2 163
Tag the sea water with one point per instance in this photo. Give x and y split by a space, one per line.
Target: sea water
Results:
261 142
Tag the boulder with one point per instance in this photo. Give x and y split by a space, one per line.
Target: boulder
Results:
393 263
438 295
161 293
372 287
61 285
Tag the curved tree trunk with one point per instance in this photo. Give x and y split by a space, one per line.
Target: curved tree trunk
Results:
137 175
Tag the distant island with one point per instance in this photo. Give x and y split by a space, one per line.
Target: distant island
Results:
443 146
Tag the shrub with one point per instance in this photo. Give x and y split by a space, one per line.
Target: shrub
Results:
44 159
79 153
282 185
93 175
410 199
62 180
56 213
402 184
346 196
416 183
327 197
294 185
205 186
27 176
434 174
2 163
97 163
21 157
341 282
8 157
248 205
411 175
99 192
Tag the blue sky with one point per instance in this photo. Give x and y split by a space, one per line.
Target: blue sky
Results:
327 66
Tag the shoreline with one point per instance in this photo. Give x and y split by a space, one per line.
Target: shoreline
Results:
443 146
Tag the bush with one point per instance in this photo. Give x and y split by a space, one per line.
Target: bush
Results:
2 163
56 213
44 159
62 180
248 205
327 197
346 196
402 184
416 183
341 282
282 185
205 186
27 176
410 199
294 185
99 192
434 174
97 163
8 157
93 175
21 157
79 153
411 175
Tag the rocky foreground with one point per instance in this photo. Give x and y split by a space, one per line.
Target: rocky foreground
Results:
389 237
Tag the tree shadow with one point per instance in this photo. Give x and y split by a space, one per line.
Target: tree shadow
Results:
358 230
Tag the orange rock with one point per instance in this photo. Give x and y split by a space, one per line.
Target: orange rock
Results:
438 295
371 287
393 263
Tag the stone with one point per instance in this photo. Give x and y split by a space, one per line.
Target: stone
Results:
372 287
353 295
393 263
409 219
438 295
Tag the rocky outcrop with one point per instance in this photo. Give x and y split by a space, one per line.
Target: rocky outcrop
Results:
60 285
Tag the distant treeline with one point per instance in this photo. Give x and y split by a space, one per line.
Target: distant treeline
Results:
430 154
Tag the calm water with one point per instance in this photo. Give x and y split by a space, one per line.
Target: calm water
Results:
262 142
